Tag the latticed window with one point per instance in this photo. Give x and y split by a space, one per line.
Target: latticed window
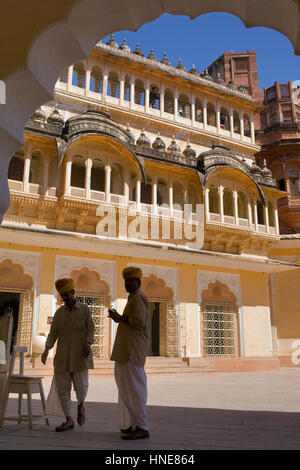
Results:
97 305
220 330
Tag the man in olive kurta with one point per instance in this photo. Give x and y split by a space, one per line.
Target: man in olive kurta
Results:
73 327
129 354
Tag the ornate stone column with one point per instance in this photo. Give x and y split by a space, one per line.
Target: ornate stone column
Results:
250 221
70 77
236 208
46 165
26 173
107 182
231 122
175 105
88 177
87 79
252 128
171 199
162 101
276 219
267 219
255 216
218 118
68 178
105 84
126 186
132 92
206 192
242 125
138 195
122 88
221 202
147 96
193 109
154 195
204 113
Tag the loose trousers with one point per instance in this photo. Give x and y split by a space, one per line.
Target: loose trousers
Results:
63 383
131 381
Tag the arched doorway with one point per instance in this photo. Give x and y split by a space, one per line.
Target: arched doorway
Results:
164 337
220 324
91 290
16 291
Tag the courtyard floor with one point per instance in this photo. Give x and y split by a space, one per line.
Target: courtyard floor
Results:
259 410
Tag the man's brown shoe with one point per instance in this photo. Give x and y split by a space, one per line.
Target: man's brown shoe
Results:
137 434
126 431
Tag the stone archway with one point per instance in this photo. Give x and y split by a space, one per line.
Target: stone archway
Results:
163 309
18 287
220 322
66 34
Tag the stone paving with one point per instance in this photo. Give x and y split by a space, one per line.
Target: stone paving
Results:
225 411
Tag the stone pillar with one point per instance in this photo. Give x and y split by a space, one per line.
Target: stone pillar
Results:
46 164
68 178
242 125
276 220
132 92
221 202
255 216
175 105
250 221
236 208
26 173
218 118
205 114
267 219
154 195
126 186
162 101
107 182
231 122
252 129
105 84
147 96
171 199
88 177
122 89
87 80
193 109
206 191
70 77
138 195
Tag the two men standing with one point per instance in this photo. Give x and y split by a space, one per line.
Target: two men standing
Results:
73 327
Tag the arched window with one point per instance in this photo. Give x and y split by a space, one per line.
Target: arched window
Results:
260 213
139 93
178 196
184 106
162 192
198 110
96 84
169 101
79 75
228 202
35 174
117 179
78 172
247 129
98 176
211 115
236 122
64 76
113 88
16 168
242 206
214 200
271 214
224 119
154 96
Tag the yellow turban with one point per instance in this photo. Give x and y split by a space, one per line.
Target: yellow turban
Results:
64 285
132 272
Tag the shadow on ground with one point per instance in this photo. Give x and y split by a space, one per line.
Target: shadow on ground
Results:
171 428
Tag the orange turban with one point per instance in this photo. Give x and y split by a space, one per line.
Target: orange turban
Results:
132 272
64 285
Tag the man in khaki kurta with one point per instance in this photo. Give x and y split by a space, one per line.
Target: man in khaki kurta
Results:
73 327
129 354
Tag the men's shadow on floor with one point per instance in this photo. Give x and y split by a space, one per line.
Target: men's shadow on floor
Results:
171 428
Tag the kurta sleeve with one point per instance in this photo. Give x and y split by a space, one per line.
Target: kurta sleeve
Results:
90 327
138 314
53 335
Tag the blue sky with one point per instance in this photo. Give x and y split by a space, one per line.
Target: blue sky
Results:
203 40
